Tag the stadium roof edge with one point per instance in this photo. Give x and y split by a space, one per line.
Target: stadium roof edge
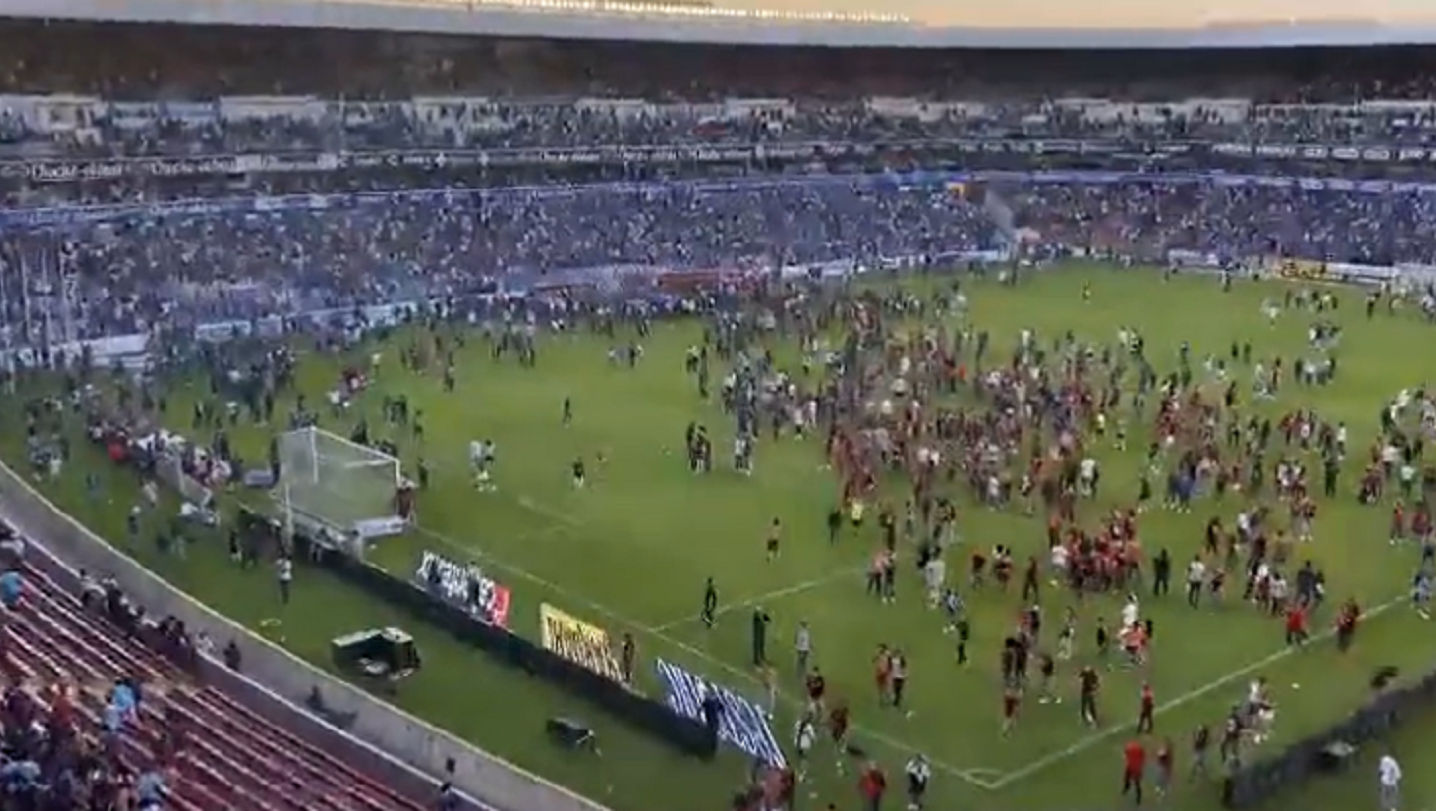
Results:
482 19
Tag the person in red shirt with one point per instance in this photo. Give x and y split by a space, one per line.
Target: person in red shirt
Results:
872 785
1296 633
1134 761
1147 711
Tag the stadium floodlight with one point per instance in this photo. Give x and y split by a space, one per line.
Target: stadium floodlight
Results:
337 489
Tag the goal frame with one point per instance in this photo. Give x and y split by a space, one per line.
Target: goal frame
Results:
325 529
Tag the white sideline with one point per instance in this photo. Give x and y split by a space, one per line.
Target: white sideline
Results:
981 778
767 597
1098 737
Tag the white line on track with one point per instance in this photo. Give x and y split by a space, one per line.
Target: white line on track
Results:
768 597
1101 736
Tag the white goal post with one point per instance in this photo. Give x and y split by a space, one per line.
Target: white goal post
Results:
330 484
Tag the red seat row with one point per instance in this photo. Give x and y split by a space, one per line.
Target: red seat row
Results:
229 756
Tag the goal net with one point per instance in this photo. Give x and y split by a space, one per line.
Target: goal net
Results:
328 483
170 468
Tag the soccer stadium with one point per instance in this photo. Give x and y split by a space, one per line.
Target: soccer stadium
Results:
624 406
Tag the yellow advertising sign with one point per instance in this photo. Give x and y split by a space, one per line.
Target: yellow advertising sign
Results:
575 640
1301 270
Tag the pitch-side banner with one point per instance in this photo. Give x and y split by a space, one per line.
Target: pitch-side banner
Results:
1304 270
466 586
575 640
1368 275
742 724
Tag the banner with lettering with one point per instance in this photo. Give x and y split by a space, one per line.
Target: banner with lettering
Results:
64 170
579 642
1365 275
1299 269
742 724
62 216
465 585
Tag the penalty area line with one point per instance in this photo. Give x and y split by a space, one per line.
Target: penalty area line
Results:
557 516
767 597
1101 736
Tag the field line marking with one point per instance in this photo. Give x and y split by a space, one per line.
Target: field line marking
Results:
971 776
787 591
1100 736
557 516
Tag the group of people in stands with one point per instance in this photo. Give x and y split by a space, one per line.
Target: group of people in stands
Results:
51 757
203 94
140 268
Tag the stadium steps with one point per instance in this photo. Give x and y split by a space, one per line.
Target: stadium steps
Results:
286 771
33 665
60 649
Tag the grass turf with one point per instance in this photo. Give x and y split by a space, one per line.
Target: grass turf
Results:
630 553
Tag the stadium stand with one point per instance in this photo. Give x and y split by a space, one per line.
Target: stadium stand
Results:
94 664
123 709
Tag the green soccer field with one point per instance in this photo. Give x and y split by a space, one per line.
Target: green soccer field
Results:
630 553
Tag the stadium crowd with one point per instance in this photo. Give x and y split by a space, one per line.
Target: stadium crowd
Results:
125 276
1149 220
514 216
292 123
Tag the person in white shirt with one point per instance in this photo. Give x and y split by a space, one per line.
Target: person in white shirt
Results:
935 575
1087 477
803 648
1244 525
284 570
918 773
1389 773
1131 612
1060 560
804 734
1196 576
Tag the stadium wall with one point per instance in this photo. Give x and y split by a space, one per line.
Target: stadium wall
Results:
388 743
577 19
